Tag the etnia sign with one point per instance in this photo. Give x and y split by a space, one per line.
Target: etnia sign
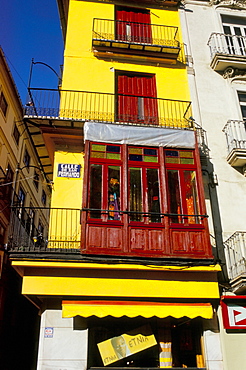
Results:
234 312
69 170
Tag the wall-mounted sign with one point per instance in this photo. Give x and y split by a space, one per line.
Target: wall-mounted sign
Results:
124 345
69 170
234 312
48 332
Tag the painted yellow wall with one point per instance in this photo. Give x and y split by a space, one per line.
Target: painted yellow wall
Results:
83 71
65 229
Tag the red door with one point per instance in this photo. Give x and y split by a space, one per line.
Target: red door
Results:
137 101
133 25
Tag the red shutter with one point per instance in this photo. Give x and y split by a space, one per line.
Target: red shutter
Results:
133 25
133 108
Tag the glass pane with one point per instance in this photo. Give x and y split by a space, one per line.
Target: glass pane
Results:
136 194
191 195
174 195
95 190
113 192
153 195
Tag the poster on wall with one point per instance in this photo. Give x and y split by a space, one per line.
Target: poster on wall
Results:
68 170
116 348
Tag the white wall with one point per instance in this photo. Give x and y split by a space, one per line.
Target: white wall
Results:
66 349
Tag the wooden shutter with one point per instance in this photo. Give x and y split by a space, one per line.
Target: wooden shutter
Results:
133 25
137 99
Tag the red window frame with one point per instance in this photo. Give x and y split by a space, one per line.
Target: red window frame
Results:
144 165
106 213
186 205
180 218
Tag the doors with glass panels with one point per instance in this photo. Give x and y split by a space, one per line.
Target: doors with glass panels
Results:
235 34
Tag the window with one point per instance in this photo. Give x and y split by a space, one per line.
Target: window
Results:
21 197
31 221
143 184
235 31
182 186
133 25
43 198
26 159
137 101
9 186
16 134
105 173
144 197
180 340
242 102
3 104
36 180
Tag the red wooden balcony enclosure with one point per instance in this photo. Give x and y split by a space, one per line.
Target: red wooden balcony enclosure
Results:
143 201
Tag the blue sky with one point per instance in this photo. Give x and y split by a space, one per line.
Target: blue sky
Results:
31 29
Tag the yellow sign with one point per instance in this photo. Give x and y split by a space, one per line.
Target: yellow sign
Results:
116 348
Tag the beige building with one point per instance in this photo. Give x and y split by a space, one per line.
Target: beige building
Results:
22 183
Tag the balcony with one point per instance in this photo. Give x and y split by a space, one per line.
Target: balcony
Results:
121 39
70 109
63 234
236 142
235 248
227 51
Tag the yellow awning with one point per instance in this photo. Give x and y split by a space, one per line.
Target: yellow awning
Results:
133 309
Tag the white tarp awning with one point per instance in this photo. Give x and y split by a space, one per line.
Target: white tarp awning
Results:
136 135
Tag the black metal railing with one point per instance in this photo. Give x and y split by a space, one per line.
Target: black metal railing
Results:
108 108
135 32
61 230
220 43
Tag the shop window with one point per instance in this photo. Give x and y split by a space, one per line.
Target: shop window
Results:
137 101
107 189
133 25
16 134
3 104
177 342
26 159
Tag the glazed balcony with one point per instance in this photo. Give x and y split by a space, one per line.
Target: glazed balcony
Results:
112 38
227 51
235 248
71 108
236 142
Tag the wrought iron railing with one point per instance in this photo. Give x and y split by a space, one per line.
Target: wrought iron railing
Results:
108 108
61 231
235 248
235 132
135 32
221 43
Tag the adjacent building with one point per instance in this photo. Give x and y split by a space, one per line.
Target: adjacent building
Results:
22 184
214 33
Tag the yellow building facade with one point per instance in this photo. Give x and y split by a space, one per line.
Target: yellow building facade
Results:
127 253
